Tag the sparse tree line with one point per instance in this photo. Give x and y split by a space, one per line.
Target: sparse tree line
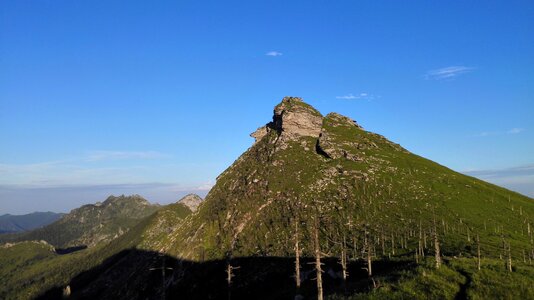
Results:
343 224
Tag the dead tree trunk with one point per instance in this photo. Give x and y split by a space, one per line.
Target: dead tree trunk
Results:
478 251
436 246
382 241
509 258
468 235
369 261
392 244
229 276
297 255
503 253
344 259
318 268
420 248
369 258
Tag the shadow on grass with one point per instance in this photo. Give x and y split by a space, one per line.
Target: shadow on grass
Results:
136 274
62 251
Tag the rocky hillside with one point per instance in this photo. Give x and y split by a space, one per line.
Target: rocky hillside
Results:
91 224
358 185
18 223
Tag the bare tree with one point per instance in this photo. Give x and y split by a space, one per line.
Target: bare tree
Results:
229 275
317 250
343 261
369 254
478 251
509 258
436 245
163 277
297 254
392 244
420 246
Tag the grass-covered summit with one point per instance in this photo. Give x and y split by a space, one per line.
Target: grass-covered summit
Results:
360 186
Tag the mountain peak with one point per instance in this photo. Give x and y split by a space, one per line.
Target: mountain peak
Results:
340 120
292 118
124 199
192 201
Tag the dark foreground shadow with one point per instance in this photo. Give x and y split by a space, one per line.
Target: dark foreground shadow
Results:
135 274
62 251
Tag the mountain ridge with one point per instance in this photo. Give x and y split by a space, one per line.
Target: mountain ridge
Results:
17 223
91 224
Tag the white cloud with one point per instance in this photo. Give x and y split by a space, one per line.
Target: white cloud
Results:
122 155
493 133
354 97
487 133
515 130
448 72
96 167
519 178
206 186
274 53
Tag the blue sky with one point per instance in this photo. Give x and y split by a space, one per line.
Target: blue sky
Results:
159 97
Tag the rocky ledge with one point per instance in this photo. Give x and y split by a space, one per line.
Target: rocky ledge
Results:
292 119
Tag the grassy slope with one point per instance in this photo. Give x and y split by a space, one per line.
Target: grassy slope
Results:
38 268
391 190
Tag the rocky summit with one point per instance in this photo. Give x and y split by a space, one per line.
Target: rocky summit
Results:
192 201
303 164
292 119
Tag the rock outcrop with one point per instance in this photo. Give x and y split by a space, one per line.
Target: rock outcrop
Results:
192 201
292 119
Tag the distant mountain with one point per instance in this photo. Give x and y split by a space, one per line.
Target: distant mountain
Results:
92 223
192 201
29 269
19 223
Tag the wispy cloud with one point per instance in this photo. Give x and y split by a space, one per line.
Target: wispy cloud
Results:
357 96
274 53
19 199
527 170
515 130
124 155
206 186
519 178
494 133
448 72
92 167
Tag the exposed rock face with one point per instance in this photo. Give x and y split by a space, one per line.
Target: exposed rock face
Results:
295 118
292 119
339 120
192 201
260 133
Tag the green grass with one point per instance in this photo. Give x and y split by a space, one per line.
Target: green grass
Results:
29 268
